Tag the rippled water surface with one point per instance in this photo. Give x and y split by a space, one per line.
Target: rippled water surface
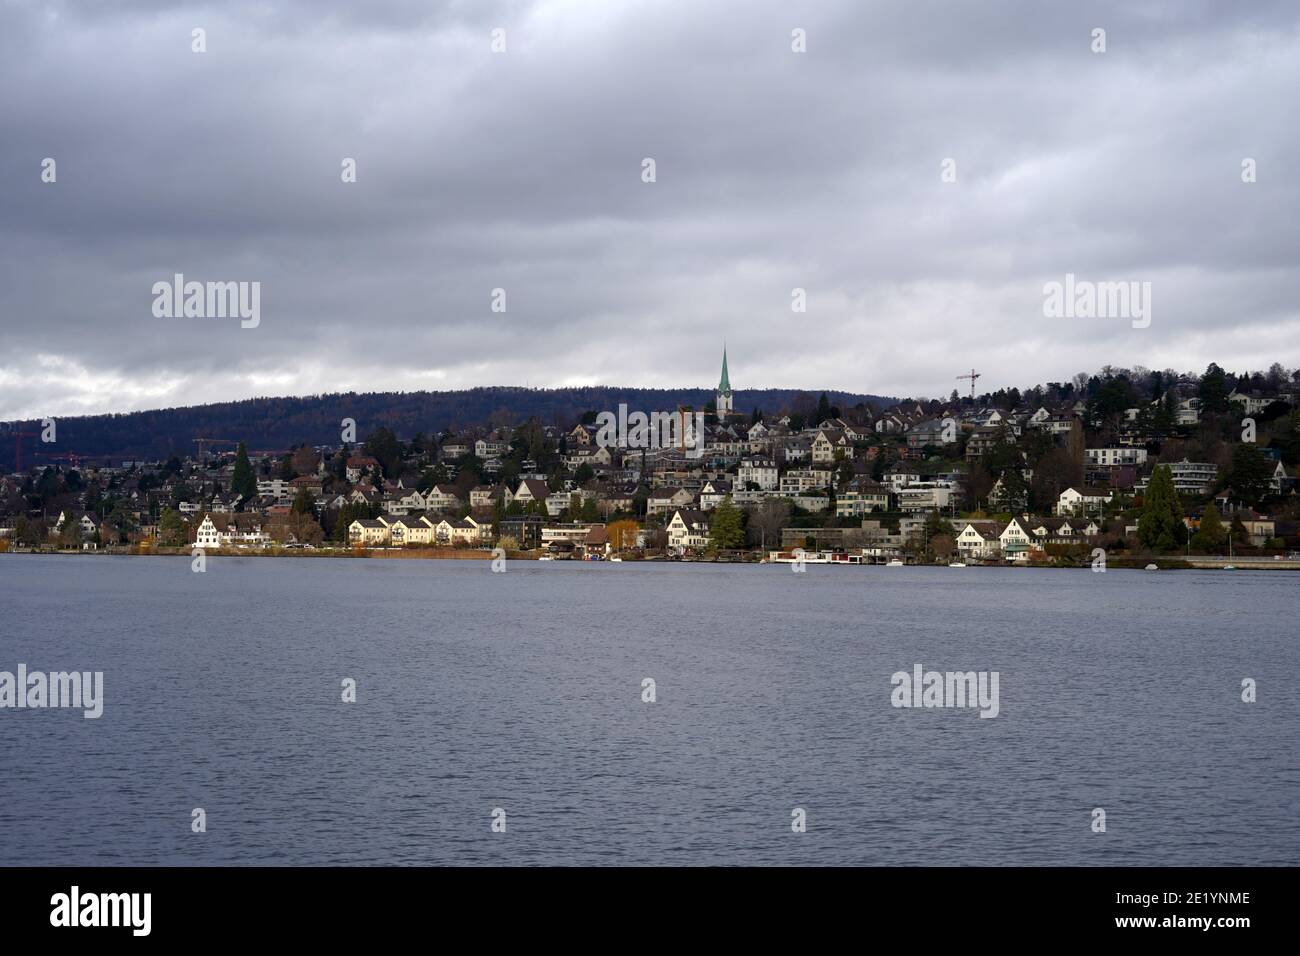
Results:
523 691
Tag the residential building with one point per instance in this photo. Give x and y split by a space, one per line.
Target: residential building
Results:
758 471
798 480
1083 500
1190 477
980 539
925 496
665 500
525 529
442 498
861 497
713 492
826 443
933 431
370 532
688 528
1105 457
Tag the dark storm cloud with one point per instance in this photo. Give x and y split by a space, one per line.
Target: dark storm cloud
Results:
522 171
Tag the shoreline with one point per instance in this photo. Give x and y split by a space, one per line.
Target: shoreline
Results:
1118 563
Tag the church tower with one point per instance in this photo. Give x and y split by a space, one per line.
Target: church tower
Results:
723 403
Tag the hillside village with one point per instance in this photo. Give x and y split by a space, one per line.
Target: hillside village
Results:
1132 460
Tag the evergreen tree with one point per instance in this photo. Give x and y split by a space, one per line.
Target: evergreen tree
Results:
498 512
1214 389
304 503
1166 417
1240 535
338 466
244 482
725 530
1160 526
1251 474
1211 537
823 410
936 525
1015 490
383 446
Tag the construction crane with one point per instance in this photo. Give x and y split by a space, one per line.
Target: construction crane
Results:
213 441
72 458
972 376
18 449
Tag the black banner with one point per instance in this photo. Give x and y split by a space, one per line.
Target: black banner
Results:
969 906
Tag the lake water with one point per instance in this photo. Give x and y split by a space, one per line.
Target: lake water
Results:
523 691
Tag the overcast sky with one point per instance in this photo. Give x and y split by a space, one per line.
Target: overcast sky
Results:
522 170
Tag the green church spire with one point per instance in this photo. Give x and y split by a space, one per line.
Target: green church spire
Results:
724 386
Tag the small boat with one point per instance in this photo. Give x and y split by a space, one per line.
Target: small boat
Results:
957 564
1230 567
617 560
546 557
1152 567
895 563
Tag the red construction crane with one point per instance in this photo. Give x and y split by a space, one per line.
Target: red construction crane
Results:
18 448
972 376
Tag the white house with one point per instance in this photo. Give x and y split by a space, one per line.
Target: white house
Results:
368 531
529 491
276 488
1250 404
483 496
713 492
557 502
1102 457
442 498
828 442
1016 541
688 528
798 480
760 471
1079 501
925 496
1189 411
207 535
490 448
980 539
1058 531
901 475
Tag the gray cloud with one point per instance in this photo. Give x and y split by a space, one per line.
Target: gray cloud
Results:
522 170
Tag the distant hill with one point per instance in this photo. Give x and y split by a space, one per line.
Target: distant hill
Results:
275 424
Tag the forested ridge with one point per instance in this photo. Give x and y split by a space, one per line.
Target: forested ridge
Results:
280 423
